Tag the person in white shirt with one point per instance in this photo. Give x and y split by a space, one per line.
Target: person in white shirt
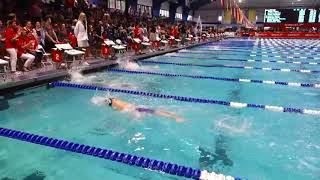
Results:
81 33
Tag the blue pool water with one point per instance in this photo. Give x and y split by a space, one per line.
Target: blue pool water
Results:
249 143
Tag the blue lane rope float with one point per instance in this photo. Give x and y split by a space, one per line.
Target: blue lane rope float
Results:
245 60
232 67
251 55
255 51
295 84
190 99
259 50
266 46
132 160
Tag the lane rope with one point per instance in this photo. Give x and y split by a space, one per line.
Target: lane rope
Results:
265 48
270 82
190 99
273 51
131 160
244 60
251 55
217 51
232 67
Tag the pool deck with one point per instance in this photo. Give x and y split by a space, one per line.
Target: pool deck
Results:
42 76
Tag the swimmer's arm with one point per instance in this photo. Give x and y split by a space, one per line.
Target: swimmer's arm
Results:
169 115
122 106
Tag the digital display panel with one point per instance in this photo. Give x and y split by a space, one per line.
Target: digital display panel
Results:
292 15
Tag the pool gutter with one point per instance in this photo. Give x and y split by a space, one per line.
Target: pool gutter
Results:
43 78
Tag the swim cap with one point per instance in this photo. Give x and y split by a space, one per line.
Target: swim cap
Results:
109 101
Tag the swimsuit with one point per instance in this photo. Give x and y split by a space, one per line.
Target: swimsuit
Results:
139 109
145 110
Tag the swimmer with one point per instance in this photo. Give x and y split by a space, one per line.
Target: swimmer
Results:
124 106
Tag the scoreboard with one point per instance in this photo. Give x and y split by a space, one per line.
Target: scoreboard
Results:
292 16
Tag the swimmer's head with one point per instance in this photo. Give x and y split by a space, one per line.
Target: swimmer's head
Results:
109 101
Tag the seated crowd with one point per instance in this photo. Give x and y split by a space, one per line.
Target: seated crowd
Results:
25 42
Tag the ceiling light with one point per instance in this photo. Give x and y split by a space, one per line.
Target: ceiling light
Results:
240 1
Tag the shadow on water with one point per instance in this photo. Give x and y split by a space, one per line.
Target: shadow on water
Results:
218 160
7 178
37 175
12 95
4 105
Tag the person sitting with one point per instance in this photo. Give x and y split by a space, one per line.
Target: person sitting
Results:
30 29
24 46
125 106
34 49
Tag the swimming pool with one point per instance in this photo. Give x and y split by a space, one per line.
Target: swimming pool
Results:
244 142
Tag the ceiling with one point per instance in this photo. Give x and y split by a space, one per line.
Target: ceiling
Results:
268 4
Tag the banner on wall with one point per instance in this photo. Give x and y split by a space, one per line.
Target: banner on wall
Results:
252 15
297 35
227 16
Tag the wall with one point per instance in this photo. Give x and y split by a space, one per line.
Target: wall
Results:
179 10
145 2
165 6
209 16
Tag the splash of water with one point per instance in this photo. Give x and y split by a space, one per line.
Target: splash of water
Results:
233 125
184 50
125 63
100 100
78 77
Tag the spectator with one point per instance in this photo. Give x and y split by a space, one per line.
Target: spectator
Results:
51 36
2 39
30 29
12 17
153 38
95 41
25 47
41 34
2 28
12 34
81 31
63 33
100 29
34 49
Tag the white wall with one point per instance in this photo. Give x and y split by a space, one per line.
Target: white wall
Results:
145 2
165 6
179 10
210 16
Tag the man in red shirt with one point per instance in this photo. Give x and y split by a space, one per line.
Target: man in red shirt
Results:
137 35
25 46
12 36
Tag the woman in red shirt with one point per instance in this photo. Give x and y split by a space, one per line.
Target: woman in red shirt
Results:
25 45
12 34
